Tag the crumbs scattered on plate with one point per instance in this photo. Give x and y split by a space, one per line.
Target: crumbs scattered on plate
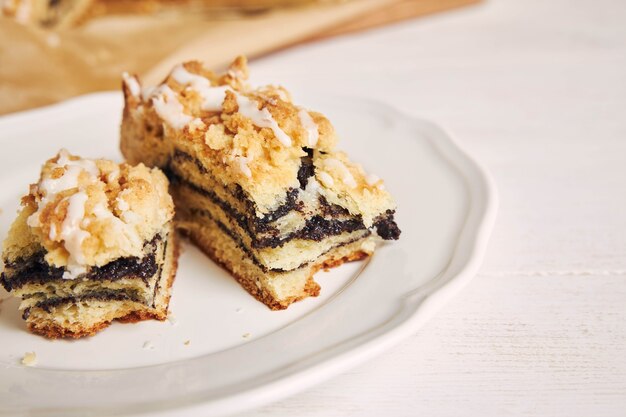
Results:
148 345
29 359
172 318
246 335
187 342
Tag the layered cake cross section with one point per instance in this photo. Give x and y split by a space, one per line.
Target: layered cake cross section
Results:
256 179
93 242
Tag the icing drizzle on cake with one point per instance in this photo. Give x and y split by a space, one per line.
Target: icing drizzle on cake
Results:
71 232
310 126
213 100
86 214
73 236
212 97
243 165
132 84
346 175
261 118
167 106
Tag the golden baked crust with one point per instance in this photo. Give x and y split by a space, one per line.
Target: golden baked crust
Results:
55 331
310 288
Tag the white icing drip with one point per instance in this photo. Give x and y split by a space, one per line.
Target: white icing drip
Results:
310 126
170 109
101 212
68 181
50 187
213 100
130 217
348 179
122 205
132 84
73 235
184 77
261 118
86 164
372 179
53 232
243 165
147 92
212 97
326 179
71 232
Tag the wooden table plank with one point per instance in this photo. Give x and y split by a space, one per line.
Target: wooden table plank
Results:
536 91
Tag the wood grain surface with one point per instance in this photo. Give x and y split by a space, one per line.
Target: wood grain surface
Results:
537 92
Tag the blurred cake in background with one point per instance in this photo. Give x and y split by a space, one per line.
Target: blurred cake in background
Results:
56 14
64 48
46 13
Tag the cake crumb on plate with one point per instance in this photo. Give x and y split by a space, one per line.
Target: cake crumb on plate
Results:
29 359
172 318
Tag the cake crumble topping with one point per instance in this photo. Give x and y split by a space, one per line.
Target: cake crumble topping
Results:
90 212
257 135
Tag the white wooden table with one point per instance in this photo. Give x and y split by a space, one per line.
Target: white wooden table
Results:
536 90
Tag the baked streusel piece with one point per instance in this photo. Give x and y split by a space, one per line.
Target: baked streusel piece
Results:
257 182
93 242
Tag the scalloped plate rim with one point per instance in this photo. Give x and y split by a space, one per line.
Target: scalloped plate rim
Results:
418 306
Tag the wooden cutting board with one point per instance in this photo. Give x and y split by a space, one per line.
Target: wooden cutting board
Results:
42 67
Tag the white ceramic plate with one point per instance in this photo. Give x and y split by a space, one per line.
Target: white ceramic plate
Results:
240 354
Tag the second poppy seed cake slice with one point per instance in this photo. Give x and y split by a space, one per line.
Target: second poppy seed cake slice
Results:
257 181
